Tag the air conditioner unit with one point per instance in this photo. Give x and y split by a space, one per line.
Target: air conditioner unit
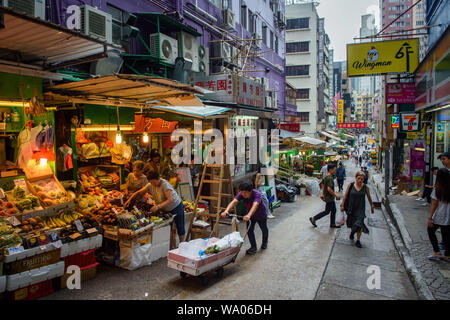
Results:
222 50
166 46
34 8
190 49
203 55
96 23
228 18
268 102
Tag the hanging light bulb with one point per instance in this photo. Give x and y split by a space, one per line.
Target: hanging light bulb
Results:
145 138
43 162
118 138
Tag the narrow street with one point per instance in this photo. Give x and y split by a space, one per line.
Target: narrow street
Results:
301 262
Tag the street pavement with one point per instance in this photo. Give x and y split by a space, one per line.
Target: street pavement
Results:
348 269
301 263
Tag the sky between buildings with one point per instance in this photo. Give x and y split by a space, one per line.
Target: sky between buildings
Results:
343 20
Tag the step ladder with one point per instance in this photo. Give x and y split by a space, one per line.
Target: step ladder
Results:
223 177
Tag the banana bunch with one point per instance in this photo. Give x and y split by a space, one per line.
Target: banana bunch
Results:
61 220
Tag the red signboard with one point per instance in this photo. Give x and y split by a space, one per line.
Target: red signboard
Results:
292 127
357 125
153 125
400 92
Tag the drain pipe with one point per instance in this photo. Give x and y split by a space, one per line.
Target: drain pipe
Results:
203 12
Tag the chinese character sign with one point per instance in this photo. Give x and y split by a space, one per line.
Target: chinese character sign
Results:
340 111
153 125
357 125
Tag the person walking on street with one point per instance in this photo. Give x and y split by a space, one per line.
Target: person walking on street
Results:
440 215
328 196
445 159
366 175
324 171
428 189
260 186
340 176
360 161
356 211
257 213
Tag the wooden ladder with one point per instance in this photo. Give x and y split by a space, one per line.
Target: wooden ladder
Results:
211 178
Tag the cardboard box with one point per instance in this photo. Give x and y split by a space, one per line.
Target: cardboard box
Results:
197 262
86 273
32 292
50 177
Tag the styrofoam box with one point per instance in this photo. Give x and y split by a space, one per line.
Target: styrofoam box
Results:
24 279
75 247
160 250
161 235
29 253
2 283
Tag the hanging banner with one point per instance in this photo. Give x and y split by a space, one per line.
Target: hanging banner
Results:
153 125
410 121
400 92
382 57
292 127
340 110
356 125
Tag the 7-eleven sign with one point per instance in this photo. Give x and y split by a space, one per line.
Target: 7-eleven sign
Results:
410 121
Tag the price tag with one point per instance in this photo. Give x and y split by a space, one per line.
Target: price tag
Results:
75 235
13 220
91 230
79 225
43 248
16 250
98 204
57 244
115 211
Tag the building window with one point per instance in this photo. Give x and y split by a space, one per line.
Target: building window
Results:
276 44
302 46
244 17
264 33
302 70
304 116
118 34
251 22
299 23
302 93
271 39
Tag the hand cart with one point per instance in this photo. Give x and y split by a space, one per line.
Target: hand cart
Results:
199 267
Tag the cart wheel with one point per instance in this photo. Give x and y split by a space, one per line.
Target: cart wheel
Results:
219 273
204 280
184 275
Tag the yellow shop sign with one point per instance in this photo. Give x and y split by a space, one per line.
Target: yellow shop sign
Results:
382 57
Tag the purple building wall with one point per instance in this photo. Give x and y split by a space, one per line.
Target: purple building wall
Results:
57 13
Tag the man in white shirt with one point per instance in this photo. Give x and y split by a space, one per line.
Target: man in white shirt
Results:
324 171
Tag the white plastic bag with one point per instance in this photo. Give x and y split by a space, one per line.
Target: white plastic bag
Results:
135 257
340 218
231 240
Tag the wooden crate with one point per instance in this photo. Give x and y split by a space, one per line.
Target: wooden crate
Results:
197 232
51 177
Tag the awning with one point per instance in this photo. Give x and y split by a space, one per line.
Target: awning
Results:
38 41
125 91
309 143
326 134
288 134
349 136
196 112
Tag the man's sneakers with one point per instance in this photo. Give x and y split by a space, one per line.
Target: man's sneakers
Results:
264 246
358 244
251 251
420 199
270 216
313 222
435 256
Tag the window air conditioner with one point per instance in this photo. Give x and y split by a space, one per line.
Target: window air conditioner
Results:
34 8
96 23
190 49
166 46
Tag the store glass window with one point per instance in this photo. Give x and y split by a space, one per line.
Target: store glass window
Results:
271 39
302 70
264 33
244 17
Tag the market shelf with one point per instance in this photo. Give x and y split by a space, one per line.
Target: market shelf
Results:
94 157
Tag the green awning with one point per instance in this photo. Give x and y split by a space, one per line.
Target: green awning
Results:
167 21
196 112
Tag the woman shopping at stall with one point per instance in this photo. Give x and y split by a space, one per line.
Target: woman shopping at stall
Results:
166 198
356 211
136 180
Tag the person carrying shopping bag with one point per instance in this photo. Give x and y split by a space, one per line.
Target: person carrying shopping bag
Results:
440 215
354 203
